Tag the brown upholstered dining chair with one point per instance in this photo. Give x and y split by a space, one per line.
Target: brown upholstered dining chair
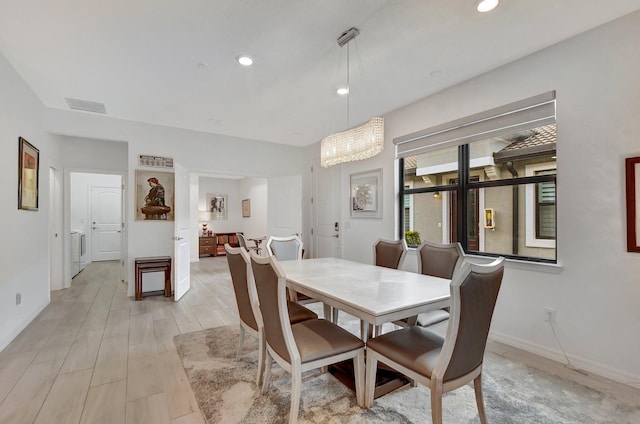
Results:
444 364
389 253
247 302
438 260
303 346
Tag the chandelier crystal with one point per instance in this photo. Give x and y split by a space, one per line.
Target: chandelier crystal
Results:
358 143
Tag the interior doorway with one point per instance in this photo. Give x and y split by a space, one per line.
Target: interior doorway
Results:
95 218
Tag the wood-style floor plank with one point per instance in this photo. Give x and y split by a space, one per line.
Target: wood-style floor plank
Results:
106 404
66 398
28 395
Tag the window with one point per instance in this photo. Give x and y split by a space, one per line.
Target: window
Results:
505 168
541 207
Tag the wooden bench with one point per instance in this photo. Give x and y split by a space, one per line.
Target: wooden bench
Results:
153 264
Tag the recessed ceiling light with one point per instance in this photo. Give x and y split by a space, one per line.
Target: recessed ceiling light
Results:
342 91
486 5
245 60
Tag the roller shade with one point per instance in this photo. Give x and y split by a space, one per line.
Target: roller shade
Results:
504 120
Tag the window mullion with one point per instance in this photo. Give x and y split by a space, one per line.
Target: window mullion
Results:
463 198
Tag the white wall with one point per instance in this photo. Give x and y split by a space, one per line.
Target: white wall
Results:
255 189
229 187
596 289
25 255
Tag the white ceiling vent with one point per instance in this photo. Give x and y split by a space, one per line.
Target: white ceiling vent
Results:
86 105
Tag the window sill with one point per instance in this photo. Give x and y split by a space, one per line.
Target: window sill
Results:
523 265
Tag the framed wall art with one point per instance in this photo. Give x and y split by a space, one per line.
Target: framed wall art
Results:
28 172
246 208
217 205
154 195
632 171
366 194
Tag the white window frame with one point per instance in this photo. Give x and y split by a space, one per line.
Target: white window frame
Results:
530 207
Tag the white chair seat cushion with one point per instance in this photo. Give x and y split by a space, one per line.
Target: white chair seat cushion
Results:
426 319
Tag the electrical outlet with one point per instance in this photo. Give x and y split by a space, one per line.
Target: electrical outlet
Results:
18 298
550 315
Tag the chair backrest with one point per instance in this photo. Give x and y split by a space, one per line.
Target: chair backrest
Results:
242 241
271 287
285 248
439 260
238 260
474 292
389 253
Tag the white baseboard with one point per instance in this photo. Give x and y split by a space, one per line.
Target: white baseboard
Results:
578 362
29 318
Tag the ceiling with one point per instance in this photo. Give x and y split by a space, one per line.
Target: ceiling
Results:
173 62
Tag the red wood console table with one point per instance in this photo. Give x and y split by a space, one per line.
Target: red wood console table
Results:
153 264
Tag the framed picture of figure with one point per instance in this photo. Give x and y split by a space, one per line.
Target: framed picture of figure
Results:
154 195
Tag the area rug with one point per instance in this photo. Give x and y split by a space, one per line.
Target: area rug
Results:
226 392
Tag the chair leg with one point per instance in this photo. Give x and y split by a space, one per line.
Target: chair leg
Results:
267 373
370 379
261 351
436 403
296 382
477 385
328 312
359 376
240 342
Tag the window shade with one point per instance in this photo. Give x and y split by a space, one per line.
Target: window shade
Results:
504 120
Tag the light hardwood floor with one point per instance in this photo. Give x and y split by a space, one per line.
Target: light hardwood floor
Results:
96 356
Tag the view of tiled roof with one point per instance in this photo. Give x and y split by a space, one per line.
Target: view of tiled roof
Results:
410 162
541 141
538 141
541 136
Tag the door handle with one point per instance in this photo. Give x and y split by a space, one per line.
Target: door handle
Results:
93 228
176 238
336 235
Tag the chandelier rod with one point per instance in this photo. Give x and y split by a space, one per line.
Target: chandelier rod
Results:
348 83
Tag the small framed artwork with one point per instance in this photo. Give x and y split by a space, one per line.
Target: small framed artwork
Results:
489 218
366 194
28 171
217 205
246 208
632 170
154 195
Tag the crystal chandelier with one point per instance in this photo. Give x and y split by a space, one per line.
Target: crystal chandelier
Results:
358 143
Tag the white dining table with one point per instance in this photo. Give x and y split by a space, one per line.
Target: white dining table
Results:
374 294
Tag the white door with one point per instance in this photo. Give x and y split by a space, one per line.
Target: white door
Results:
106 223
181 271
326 223
55 230
284 206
